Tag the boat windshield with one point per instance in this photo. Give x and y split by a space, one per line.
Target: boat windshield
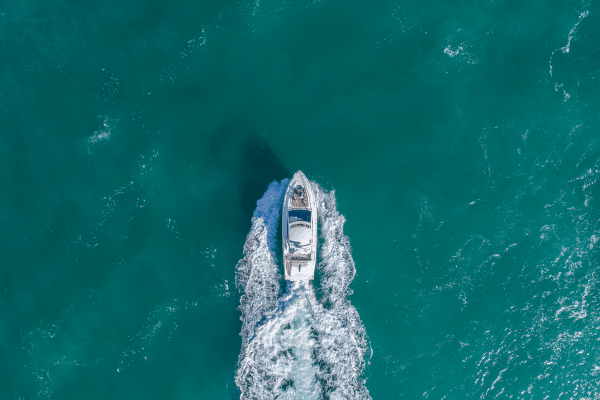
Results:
299 215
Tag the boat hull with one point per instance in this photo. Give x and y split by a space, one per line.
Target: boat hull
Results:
299 230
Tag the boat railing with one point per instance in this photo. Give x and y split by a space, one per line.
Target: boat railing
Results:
300 257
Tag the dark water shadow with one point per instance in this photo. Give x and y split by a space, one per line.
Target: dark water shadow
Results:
259 166
238 142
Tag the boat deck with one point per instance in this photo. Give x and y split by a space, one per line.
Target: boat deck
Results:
297 265
299 198
299 230
299 262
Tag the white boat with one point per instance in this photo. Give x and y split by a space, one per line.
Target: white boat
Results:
299 230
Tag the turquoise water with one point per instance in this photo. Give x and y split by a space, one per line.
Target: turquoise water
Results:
457 140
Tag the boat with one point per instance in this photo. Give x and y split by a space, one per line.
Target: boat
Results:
299 230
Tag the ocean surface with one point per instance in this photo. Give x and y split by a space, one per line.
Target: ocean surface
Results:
454 147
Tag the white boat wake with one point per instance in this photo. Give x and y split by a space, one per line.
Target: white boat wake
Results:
296 346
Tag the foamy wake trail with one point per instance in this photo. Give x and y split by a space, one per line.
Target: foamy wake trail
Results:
257 276
295 346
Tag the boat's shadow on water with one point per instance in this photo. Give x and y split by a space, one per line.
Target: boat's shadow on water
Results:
238 141
259 166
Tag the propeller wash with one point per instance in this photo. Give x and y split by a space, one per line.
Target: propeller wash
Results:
295 346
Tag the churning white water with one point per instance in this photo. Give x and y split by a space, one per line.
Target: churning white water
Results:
295 346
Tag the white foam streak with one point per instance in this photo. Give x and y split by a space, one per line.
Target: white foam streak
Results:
269 208
258 278
297 347
567 47
337 268
343 335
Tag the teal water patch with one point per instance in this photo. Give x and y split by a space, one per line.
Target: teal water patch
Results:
460 139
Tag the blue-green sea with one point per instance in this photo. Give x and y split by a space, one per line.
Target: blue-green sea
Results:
453 147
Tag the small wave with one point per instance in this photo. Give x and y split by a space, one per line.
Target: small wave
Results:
103 133
269 209
257 277
295 346
453 53
567 47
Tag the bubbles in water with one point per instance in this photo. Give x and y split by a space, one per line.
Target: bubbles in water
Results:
567 47
194 44
103 133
